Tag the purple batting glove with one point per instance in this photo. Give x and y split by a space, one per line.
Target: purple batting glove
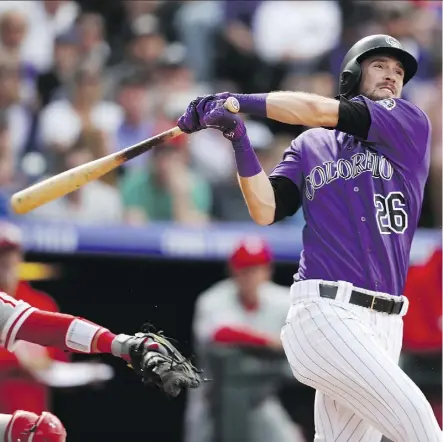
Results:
217 117
191 120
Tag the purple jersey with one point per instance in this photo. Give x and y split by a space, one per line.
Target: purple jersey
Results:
362 200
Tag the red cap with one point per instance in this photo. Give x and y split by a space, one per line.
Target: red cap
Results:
10 235
251 251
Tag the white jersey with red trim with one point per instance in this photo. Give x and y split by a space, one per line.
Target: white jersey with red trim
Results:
13 314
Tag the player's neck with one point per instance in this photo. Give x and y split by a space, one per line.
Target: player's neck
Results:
9 288
249 303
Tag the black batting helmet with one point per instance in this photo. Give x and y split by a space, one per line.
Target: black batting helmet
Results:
350 72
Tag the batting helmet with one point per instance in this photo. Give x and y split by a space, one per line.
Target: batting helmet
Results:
350 72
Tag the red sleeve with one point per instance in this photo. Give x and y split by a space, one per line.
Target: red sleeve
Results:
230 335
57 329
55 353
49 304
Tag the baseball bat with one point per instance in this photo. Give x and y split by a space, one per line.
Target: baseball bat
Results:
66 182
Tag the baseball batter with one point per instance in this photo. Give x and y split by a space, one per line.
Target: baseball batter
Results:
359 175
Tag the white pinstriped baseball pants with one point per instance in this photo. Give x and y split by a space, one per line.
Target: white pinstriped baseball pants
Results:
350 354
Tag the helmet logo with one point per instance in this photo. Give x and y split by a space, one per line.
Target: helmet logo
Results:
391 41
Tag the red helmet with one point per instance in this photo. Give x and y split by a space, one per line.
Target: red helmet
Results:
26 427
251 251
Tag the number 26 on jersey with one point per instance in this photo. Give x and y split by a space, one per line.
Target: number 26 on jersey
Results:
391 217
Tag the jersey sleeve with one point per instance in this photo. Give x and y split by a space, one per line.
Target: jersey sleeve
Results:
12 315
48 304
291 164
399 130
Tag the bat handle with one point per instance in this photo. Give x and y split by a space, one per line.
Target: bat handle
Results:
232 105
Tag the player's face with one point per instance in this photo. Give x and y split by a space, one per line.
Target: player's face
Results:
382 77
249 279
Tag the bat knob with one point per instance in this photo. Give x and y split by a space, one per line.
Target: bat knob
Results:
232 105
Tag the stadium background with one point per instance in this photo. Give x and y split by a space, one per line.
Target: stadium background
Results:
81 79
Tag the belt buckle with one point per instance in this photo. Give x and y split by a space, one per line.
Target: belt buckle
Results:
374 298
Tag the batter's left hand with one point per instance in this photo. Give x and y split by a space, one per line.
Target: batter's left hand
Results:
191 120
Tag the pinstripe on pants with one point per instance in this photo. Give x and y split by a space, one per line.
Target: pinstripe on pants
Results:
350 354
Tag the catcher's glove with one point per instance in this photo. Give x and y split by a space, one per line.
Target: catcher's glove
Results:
153 357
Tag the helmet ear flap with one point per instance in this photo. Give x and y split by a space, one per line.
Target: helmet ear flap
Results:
349 79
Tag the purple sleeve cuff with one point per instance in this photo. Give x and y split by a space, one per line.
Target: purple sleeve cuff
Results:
246 159
252 104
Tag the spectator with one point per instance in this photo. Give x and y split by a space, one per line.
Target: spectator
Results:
135 98
196 24
52 84
296 33
167 191
47 20
175 84
137 9
144 50
245 310
96 203
14 27
85 108
235 42
94 49
18 115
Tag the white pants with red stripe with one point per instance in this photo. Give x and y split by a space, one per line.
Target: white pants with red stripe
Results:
350 354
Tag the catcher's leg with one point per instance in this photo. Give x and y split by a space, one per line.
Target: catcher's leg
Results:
24 426
333 350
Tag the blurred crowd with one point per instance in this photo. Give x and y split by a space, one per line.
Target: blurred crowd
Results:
81 79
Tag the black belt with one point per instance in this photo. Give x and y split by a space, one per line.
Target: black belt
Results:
364 300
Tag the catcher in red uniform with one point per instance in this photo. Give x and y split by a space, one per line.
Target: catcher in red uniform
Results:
150 354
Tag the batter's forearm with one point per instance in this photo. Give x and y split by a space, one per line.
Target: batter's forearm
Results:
300 108
297 108
259 197
254 183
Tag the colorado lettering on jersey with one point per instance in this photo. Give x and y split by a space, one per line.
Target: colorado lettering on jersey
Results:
358 163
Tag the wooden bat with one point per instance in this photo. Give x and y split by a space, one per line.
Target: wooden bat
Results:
59 185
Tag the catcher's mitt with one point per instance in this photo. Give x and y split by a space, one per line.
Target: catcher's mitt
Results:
161 364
